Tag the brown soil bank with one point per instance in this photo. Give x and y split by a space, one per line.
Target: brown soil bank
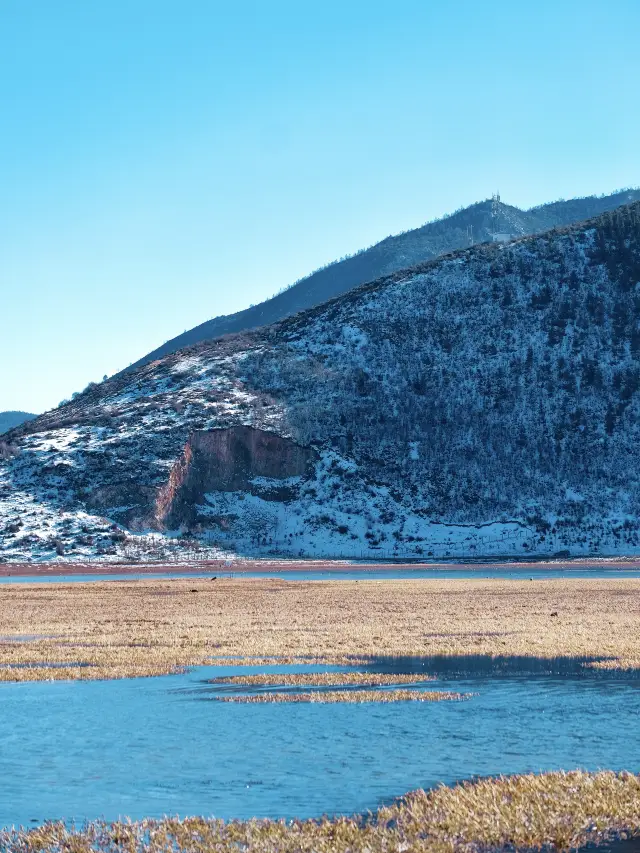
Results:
147 627
553 811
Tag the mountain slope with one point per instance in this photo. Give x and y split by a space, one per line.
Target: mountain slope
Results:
487 402
8 420
395 253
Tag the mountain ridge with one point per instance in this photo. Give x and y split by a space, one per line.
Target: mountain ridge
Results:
11 419
396 252
482 403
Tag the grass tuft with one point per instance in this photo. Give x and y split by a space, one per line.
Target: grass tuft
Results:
355 696
320 679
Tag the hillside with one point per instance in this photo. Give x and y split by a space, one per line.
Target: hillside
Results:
395 253
485 403
9 420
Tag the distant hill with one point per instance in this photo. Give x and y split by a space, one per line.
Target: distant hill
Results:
480 223
485 403
9 420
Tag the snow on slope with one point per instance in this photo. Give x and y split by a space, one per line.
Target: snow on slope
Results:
483 404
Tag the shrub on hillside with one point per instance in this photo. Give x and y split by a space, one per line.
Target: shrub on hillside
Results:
7 450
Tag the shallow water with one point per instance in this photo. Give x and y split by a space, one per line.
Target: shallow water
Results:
447 574
111 576
46 665
152 746
341 575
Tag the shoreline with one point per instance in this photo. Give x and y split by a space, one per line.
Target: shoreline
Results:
569 810
246 566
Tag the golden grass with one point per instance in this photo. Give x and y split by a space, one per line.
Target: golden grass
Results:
353 696
148 627
320 679
559 811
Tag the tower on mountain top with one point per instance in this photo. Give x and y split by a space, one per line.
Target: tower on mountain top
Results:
496 235
495 210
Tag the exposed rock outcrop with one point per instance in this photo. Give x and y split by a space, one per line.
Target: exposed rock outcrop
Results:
226 460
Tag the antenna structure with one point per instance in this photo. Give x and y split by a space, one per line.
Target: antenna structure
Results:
495 210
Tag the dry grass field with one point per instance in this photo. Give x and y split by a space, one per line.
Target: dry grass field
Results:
560 811
147 627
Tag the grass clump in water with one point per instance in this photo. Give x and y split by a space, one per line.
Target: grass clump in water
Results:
355 696
319 679
555 810
559 811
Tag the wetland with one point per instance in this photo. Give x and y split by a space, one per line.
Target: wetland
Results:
149 627
555 811
277 699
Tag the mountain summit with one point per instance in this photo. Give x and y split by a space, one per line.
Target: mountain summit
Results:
485 221
485 403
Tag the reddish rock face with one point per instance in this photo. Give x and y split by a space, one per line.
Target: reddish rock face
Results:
226 460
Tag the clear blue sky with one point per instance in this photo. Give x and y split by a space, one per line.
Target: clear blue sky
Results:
166 161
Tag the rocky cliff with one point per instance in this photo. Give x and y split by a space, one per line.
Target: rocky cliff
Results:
236 459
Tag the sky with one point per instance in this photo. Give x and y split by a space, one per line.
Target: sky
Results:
163 162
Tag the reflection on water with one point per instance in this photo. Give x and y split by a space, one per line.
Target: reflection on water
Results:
496 666
148 746
631 845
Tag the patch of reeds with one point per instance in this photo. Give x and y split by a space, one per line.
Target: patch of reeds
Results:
553 811
289 660
560 811
615 664
320 679
354 696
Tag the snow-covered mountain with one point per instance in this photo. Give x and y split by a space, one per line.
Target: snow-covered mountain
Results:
478 223
485 403
9 420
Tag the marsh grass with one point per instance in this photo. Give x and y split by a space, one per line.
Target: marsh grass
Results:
320 679
156 626
342 696
292 660
554 811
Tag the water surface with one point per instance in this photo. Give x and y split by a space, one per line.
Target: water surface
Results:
151 746
596 572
